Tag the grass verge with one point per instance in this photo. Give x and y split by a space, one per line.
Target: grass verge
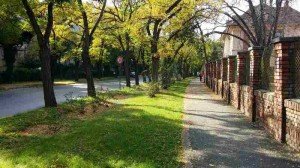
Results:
132 130
4 87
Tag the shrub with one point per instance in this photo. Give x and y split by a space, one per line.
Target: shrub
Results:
24 74
153 89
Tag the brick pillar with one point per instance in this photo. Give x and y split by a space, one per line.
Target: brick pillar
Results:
230 70
223 73
218 75
240 78
206 73
241 65
219 69
283 84
211 74
255 57
230 74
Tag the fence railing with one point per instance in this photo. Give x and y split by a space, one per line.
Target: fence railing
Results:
267 68
295 68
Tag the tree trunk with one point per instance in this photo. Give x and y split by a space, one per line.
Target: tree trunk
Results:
87 68
127 70
76 70
136 76
155 61
10 58
142 52
45 56
53 64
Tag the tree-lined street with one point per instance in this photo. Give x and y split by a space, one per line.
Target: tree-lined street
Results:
125 83
25 99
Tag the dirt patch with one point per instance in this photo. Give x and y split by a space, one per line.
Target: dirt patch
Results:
44 129
90 110
120 97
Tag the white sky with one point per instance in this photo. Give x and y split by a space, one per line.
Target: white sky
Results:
243 5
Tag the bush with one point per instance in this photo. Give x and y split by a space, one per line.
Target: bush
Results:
24 74
153 89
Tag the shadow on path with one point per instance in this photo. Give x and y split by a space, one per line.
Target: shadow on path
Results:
217 135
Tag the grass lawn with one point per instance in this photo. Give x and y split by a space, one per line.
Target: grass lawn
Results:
131 130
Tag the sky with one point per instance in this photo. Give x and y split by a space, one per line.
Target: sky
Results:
243 5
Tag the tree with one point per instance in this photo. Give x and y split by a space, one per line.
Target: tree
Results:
87 39
123 14
12 34
166 19
44 47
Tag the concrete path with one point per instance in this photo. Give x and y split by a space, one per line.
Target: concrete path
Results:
25 99
218 135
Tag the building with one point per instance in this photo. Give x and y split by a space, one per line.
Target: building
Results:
20 56
288 26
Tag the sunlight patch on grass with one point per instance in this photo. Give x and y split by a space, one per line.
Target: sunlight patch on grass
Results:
138 131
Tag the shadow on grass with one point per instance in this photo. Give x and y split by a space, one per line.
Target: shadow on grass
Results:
128 135
125 137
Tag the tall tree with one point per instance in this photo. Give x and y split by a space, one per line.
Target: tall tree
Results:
87 39
44 47
122 14
12 34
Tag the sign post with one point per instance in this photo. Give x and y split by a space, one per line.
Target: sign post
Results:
120 61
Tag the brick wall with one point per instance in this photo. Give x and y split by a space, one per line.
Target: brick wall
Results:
225 90
293 123
216 85
277 111
220 87
234 97
265 110
245 100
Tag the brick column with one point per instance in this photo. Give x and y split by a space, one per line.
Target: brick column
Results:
211 76
223 73
255 57
241 65
219 69
240 78
218 75
230 70
283 83
230 74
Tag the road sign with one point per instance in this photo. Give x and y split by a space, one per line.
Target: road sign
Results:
120 60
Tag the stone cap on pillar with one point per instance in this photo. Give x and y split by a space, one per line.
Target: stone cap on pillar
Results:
285 39
255 48
242 52
231 56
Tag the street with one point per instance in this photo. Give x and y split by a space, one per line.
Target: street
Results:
25 99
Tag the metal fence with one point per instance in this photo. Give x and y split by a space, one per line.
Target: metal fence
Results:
267 65
295 67
235 69
246 74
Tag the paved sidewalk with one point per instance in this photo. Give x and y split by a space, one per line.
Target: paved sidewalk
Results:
218 135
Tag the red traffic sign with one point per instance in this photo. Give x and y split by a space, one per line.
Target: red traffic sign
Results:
120 60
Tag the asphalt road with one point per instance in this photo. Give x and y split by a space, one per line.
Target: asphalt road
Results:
25 99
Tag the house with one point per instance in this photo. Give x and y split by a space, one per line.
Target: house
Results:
20 56
288 26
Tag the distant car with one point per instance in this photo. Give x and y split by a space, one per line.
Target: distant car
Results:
132 74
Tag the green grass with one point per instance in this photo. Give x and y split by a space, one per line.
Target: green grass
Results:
136 132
